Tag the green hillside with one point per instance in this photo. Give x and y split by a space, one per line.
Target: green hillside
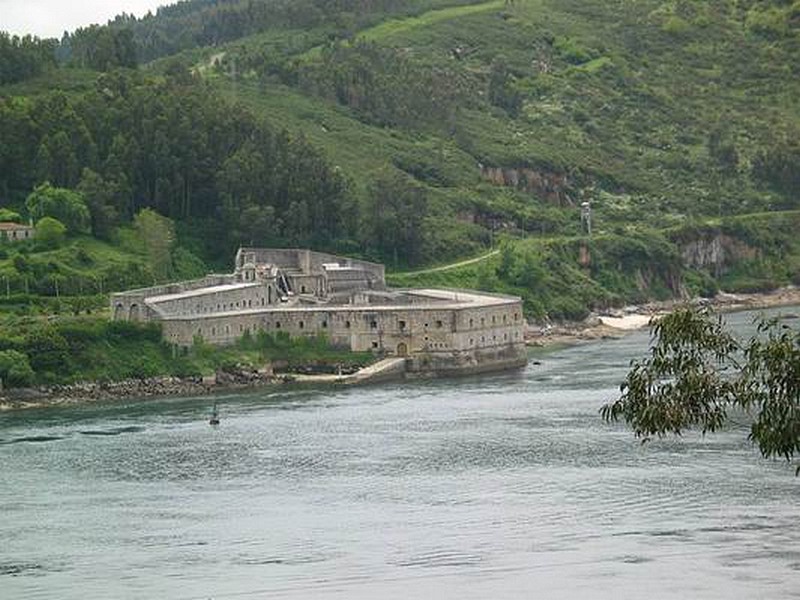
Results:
418 132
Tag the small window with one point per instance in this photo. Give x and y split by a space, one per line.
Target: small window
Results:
438 324
373 324
324 324
471 322
374 344
471 342
347 324
301 325
277 324
494 320
402 324
303 289
505 319
483 321
516 316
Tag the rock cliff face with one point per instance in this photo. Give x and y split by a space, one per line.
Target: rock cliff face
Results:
715 253
553 187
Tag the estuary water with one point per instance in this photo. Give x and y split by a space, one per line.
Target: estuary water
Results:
503 486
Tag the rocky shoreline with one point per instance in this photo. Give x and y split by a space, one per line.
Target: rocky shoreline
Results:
617 323
613 324
152 387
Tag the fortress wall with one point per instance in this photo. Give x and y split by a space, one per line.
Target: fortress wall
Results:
317 259
307 260
400 331
440 331
127 305
468 362
254 296
285 259
306 284
178 287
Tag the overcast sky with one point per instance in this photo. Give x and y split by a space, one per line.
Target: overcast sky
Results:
50 18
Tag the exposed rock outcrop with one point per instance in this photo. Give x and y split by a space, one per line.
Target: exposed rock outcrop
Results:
715 253
553 187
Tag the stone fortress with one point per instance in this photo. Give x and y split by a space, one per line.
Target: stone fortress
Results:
306 293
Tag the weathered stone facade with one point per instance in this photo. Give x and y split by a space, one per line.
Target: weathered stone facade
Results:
306 293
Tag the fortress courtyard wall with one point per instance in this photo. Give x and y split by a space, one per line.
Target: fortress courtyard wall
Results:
406 330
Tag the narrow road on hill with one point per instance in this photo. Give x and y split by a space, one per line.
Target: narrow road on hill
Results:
456 265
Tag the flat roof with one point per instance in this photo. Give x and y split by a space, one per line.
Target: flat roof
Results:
445 300
213 289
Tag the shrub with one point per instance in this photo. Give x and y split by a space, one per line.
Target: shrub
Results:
47 349
50 232
9 215
676 26
15 370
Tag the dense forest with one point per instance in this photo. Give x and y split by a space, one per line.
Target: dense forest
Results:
174 146
412 132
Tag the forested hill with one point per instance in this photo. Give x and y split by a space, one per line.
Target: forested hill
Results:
422 131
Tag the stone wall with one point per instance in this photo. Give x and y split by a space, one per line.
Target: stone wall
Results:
244 297
131 306
436 328
409 330
307 260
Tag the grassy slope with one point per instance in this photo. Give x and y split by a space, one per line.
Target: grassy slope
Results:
630 266
614 95
632 117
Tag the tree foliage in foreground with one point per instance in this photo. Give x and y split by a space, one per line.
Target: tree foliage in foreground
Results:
698 373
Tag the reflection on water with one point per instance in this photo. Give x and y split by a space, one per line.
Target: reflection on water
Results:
504 486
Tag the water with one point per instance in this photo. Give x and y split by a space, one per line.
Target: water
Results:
508 486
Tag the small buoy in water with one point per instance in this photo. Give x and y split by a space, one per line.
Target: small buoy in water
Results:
214 420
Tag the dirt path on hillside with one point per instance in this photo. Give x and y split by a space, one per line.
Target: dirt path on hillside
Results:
456 265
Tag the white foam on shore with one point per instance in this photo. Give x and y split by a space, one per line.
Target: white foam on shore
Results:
628 322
